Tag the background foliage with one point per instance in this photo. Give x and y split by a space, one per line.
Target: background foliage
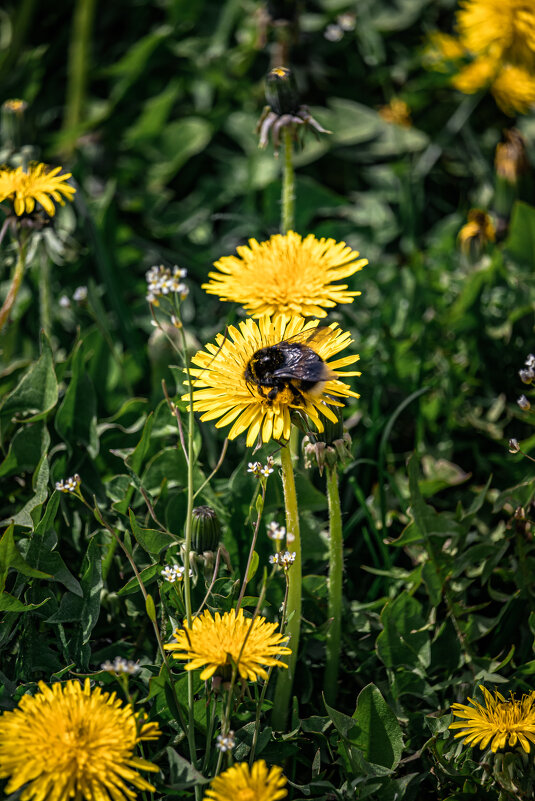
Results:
157 127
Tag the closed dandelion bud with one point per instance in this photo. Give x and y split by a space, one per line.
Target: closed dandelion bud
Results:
205 530
331 447
281 91
512 173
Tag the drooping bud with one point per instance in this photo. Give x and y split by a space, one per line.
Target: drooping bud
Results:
205 530
476 234
281 91
513 180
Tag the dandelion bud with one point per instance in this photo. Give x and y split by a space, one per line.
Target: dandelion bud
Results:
206 530
511 159
281 91
476 234
331 447
524 403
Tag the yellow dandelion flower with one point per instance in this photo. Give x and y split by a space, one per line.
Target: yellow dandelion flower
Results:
397 112
231 639
504 722
478 231
287 275
238 783
477 75
514 90
70 742
511 159
39 184
507 29
440 49
239 382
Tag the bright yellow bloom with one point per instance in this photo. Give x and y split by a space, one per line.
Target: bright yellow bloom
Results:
222 391
442 48
500 721
504 29
224 641
287 275
238 783
478 231
70 742
476 76
396 112
514 90
39 184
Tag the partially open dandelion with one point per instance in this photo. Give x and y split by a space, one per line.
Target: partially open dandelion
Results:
69 741
38 184
499 722
239 783
219 643
477 232
223 387
287 275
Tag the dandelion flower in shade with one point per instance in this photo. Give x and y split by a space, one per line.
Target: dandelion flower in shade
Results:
503 30
217 643
69 741
287 275
498 721
222 390
239 783
477 232
39 184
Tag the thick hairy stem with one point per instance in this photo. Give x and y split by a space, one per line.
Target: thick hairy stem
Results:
285 678
336 559
16 282
288 184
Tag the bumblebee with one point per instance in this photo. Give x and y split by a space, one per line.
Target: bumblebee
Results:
289 365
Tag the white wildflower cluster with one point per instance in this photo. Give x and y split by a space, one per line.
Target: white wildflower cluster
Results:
120 665
162 281
225 742
70 484
79 296
275 532
344 23
281 559
527 374
258 469
174 573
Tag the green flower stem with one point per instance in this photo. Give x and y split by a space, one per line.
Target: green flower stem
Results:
336 562
288 183
187 548
16 282
78 69
285 678
44 295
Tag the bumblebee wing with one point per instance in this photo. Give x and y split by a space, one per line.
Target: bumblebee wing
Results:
311 335
302 363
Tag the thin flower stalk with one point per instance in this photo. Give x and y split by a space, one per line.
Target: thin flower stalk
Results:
16 282
285 679
288 184
336 563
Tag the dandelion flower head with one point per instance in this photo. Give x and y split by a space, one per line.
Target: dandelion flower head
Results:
69 741
39 184
498 721
287 275
239 783
504 30
217 643
222 391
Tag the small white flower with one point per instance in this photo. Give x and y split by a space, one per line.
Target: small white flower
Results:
530 361
80 294
70 484
225 742
524 403
514 446
255 468
266 470
346 21
283 559
120 665
169 574
275 532
64 302
333 33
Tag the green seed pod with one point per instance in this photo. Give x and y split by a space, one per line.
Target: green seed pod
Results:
281 91
206 531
